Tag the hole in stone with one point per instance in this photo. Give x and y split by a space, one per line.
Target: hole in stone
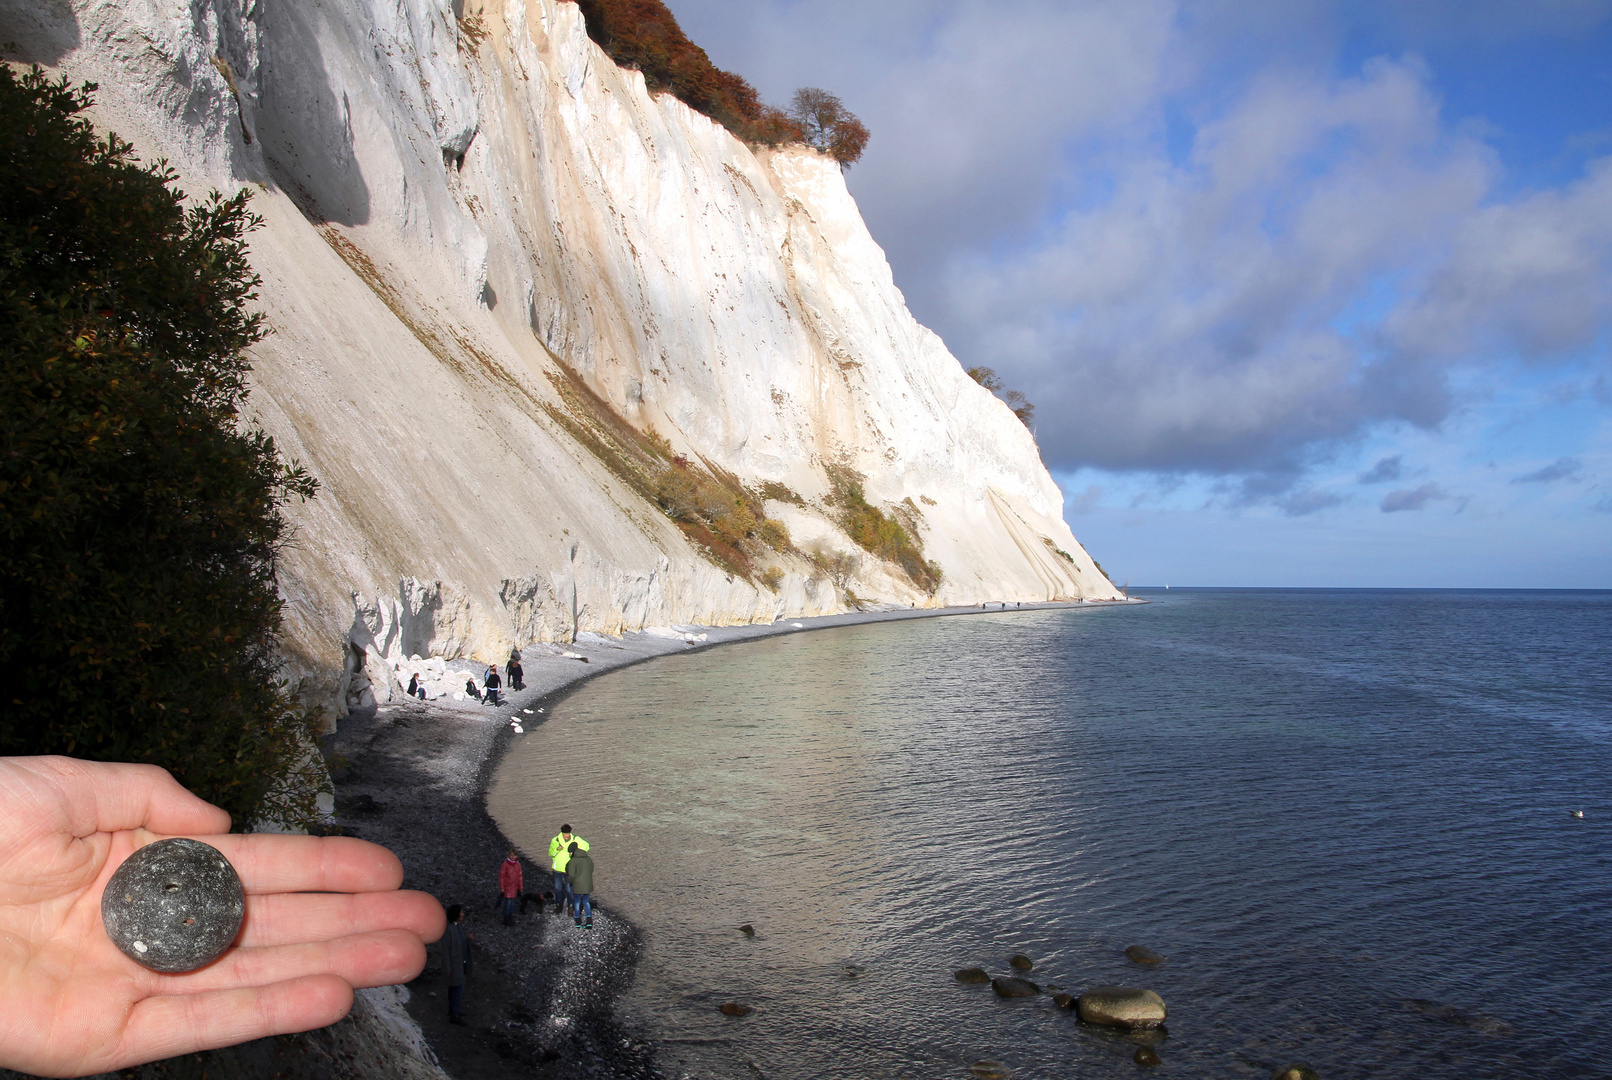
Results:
172 886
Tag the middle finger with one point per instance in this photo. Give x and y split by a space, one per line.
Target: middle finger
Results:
292 918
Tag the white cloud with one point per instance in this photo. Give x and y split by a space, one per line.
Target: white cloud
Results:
1174 224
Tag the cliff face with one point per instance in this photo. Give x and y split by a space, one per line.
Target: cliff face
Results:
511 292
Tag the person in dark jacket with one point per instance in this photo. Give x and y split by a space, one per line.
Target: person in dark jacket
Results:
493 683
415 689
510 885
579 880
516 674
472 690
456 960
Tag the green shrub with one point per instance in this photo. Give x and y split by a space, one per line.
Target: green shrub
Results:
877 532
774 534
781 493
139 523
772 577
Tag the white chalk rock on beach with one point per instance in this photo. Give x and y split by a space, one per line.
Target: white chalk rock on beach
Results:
481 251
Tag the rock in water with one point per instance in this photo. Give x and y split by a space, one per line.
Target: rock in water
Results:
747 930
1063 1001
733 1008
1141 954
1146 1055
1020 962
972 975
1295 1072
989 1070
1009 987
1121 1006
174 905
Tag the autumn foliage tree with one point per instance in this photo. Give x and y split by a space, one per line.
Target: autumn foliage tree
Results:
139 518
644 35
827 125
1021 406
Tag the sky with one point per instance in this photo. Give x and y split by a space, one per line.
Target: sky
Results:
1305 292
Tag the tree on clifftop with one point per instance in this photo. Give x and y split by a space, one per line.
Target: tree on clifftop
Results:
828 125
139 522
1021 405
643 35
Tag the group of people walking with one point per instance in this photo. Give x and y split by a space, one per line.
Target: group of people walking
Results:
573 880
491 684
572 867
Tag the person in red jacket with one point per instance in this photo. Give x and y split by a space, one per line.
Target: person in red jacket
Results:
509 884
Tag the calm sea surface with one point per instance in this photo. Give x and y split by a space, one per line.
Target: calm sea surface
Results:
1343 816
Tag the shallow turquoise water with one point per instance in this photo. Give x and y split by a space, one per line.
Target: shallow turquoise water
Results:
1342 815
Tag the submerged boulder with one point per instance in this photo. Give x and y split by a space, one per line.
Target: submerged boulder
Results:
1009 987
1146 1055
1295 1072
1020 962
1121 1006
972 975
1064 1001
989 1070
733 1008
1141 954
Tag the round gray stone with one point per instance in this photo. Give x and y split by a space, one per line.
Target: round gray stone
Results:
1020 962
972 975
174 906
1121 1006
1009 987
1141 954
1295 1072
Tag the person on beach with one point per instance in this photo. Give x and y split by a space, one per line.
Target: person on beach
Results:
510 884
516 674
559 856
415 689
492 683
472 690
456 962
579 880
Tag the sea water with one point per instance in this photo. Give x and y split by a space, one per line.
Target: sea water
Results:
1343 816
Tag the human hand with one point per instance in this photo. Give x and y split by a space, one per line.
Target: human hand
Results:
323 915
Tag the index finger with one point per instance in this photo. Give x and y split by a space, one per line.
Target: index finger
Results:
104 796
271 863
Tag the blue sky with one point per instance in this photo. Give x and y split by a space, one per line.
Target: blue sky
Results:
1306 293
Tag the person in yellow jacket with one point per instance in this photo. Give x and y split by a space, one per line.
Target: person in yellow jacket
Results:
559 856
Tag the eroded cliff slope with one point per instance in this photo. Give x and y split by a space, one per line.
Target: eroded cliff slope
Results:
524 313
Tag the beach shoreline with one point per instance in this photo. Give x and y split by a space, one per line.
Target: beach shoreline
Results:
414 776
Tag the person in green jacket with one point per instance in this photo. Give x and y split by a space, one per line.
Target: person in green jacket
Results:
559 856
579 877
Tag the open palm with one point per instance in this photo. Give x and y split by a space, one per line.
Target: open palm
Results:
323 915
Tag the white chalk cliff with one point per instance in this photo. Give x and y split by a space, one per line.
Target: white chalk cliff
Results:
478 246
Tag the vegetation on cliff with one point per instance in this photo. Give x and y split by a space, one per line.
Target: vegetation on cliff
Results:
1021 405
881 534
139 522
827 125
724 519
644 35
